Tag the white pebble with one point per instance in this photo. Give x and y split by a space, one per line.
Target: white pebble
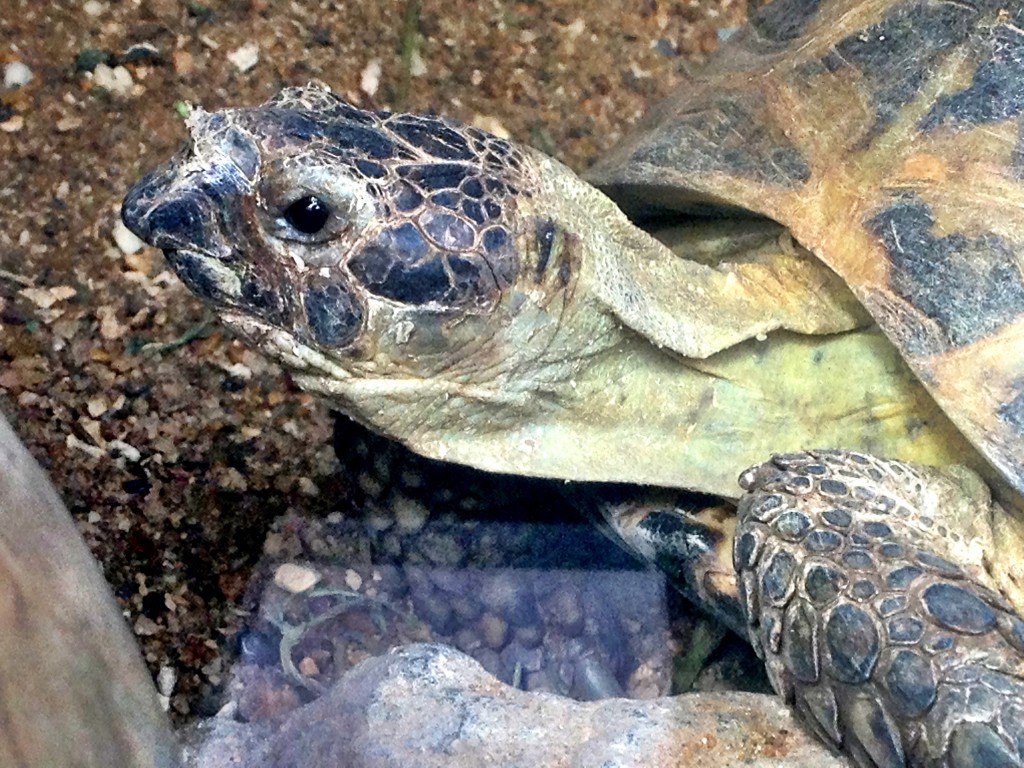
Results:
353 580
308 488
16 74
126 240
577 28
146 627
166 679
369 81
239 371
295 578
12 124
246 57
117 80
128 451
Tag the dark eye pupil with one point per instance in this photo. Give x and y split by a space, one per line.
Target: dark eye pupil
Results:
307 214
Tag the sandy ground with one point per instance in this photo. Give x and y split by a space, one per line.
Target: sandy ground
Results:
172 444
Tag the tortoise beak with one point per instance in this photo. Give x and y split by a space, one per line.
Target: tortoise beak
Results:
141 208
170 225
171 208
182 203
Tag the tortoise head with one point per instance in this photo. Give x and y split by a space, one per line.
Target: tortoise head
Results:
392 262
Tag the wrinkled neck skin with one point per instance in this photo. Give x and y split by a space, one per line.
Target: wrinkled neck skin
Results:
560 379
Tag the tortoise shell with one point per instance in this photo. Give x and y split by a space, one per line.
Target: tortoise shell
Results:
888 136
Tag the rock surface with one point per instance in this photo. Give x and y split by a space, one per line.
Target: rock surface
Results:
430 705
73 690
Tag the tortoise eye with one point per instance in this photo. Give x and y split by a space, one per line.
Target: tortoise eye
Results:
308 214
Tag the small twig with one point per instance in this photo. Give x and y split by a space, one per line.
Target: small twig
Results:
190 335
409 41
291 634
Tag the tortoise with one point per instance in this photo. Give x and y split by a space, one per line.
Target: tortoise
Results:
819 241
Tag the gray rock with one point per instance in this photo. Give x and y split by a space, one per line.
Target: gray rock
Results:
430 706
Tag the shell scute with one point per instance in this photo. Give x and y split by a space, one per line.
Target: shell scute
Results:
967 286
995 92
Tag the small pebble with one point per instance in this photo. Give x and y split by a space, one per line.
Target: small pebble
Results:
666 47
125 239
409 514
440 549
353 580
494 630
97 406
141 52
258 648
308 488
369 81
129 452
295 578
491 124
456 582
246 57
593 680
66 124
165 10
467 608
166 679
117 80
44 298
89 58
182 62
433 608
16 74
308 667
529 659
12 124
467 641
530 636
513 599
565 610
540 682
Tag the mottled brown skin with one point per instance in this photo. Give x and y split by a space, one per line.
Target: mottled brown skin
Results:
478 302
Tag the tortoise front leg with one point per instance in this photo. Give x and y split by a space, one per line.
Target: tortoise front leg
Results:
872 614
865 591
